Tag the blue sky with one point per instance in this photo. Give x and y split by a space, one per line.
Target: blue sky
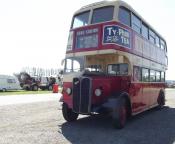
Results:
35 32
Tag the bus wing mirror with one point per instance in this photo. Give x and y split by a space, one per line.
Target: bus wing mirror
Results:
62 62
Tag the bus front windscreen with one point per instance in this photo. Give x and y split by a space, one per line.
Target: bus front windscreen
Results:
77 64
73 64
118 69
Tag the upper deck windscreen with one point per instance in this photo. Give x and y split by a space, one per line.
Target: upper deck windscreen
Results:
81 19
102 14
99 15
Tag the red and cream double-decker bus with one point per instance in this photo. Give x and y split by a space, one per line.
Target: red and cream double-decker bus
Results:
115 63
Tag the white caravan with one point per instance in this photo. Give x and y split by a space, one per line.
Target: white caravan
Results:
9 83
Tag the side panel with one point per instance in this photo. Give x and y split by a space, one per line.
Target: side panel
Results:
136 97
144 95
154 89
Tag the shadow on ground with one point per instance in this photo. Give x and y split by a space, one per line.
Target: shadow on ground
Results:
151 127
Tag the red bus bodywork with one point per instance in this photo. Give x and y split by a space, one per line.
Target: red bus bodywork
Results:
106 44
141 95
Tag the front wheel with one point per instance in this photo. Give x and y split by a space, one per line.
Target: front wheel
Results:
68 114
120 114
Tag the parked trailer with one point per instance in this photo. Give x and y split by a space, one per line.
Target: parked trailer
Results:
9 83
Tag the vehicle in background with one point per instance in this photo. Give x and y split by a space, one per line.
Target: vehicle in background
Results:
46 83
170 84
27 82
9 83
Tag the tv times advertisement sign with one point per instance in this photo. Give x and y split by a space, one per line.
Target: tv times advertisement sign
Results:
114 34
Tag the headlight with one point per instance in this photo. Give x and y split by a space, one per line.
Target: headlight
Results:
98 92
69 91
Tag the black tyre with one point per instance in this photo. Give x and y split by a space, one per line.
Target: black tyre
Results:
50 88
42 88
161 100
35 88
27 88
68 114
120 114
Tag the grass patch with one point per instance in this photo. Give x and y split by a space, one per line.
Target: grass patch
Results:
22 92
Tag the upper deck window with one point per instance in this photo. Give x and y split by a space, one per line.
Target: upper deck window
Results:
157 41
162 44
81 19
136 23
144 31
124 16
102 14
152 36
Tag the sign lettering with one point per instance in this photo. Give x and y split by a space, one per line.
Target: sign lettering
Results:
117 35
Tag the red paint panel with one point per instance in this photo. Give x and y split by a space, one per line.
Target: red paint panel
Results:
109 86
144 95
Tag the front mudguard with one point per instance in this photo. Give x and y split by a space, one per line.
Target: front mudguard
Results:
111 104
114 102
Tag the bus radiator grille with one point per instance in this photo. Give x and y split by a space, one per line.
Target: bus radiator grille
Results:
82 95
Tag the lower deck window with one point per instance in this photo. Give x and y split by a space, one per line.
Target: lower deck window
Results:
157 76
137 73
152 76
145 75
162 76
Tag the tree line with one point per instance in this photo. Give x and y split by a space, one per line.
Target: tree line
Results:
34 71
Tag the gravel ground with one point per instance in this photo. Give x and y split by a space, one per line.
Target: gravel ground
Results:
42 123
30 98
